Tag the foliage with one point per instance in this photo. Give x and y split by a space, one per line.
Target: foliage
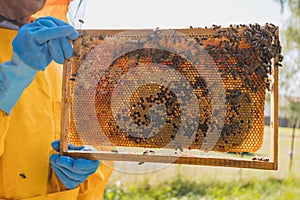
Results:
184 189
293 110
290 73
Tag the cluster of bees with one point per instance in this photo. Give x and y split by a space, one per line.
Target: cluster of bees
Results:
243 56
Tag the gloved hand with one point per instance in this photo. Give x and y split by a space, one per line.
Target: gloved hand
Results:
72 172
34 47
44 40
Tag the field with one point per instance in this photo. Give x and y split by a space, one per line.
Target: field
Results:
269 189
196 182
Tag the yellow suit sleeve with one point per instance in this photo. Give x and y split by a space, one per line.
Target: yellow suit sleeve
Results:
4 123
5 55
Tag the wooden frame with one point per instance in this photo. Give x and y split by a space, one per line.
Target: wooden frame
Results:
269 164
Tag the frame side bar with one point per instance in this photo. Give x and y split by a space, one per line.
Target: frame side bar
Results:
274 114
64 125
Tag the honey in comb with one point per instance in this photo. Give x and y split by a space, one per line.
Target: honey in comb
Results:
153 94
242 55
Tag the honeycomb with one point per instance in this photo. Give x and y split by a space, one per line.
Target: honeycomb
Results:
197 88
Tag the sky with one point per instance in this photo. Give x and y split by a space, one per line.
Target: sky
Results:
165 14
139 14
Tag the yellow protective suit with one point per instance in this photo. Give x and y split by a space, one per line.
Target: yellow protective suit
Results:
55 8
26 136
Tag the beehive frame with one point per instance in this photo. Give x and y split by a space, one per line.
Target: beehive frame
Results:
200 36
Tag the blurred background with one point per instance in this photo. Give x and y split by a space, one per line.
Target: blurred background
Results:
203 182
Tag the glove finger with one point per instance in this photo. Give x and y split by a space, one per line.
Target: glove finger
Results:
56 145
74 35
55 51
73 147
69 183
38 24
44 34
46 23
81 166
67 171
56 21
66 47
86 165
53 158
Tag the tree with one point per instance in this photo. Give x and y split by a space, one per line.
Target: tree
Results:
290 74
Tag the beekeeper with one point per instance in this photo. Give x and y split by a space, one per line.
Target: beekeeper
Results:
31 52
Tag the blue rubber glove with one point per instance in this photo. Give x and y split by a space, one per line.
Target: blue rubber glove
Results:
44 40
34 47
72 172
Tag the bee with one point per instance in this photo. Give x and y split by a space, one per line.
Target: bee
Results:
148 152
145 152
234 29
101 37
215 27
174 37
280 58
83 43
228 34
247 97
221 31
140 163
115 151
197 40
265 159
259 158
81 21
278 64
254 89
179 148
22 175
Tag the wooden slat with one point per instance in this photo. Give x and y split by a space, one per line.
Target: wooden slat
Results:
175 159
274 114
132 32
65 109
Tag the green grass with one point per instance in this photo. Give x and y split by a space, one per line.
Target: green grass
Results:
191 190
208 182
